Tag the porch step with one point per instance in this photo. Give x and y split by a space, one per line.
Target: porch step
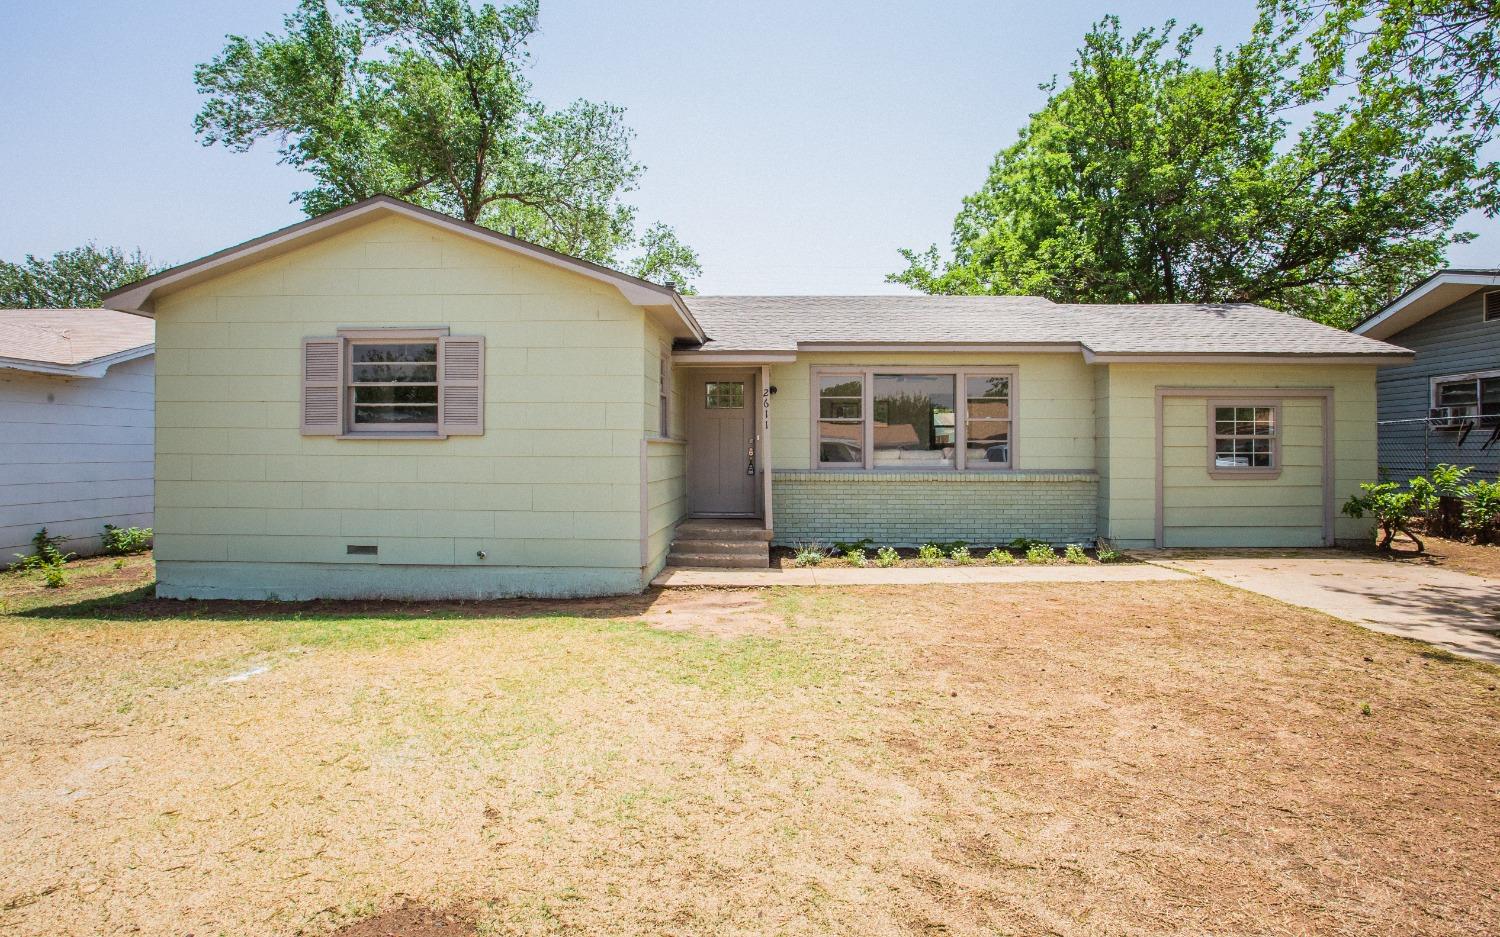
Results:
708 528
720 560
725 547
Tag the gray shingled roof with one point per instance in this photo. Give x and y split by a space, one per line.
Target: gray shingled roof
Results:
781 323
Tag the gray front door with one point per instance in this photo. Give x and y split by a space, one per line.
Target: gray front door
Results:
721 442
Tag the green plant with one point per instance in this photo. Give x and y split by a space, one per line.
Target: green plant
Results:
1390 506
1041 553
930 554
119 563
121 541
855 556
961 556
53 577
1022 544
1000 557
1073 553
1107 553
948 546
886 557
1366 710
45 551
1481 507
862 544
809 555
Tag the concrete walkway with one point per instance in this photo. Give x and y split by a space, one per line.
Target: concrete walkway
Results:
1455 611
676 577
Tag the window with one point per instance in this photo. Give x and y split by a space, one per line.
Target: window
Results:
892 419
724 395
393 386
1244 438
393 383
841 425
664 397
1492 305
1456 398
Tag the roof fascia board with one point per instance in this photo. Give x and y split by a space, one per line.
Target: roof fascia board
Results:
1375 358
138 297
1420 302
954 347
94 368
693 356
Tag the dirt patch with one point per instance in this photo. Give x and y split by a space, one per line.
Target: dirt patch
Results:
723 613
1474 558
411 921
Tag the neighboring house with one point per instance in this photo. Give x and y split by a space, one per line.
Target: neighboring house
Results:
1445 405
385 401
76 418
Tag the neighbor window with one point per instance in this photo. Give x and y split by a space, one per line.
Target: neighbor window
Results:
880 418
1244 438
1491 305
1456 398
393 385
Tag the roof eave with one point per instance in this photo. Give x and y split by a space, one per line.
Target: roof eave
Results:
1378 358
1436 292
93 368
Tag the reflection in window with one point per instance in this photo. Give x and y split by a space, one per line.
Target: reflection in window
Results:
394 384
841 428
724 395
987 432
1244 437
915 420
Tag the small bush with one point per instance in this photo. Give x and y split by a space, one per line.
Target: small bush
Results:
46 552
855 556
1041 553
1073 553
930 554
1391 507
119 563
122 541
847 547
1022 544
948 546
1000 557
886 557
808 556
53 576
1107 553
961 556
1481 507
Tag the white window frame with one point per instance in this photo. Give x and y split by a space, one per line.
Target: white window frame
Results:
664 395
960 375
1472 376
354 337
1249 471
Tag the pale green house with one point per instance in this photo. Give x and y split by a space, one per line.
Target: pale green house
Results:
385 401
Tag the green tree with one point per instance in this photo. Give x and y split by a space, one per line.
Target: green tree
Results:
426 100
1148 178
70 279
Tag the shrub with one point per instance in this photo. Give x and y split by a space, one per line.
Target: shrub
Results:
53 577
122 541
930 554
1041 553
46 552
1073 553
886 557
1107 553
1391 508
807 556
1000 557
1481 507
1023 544
846 548
948 546
856 556
961 556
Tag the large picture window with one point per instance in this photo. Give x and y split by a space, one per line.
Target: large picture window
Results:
914 419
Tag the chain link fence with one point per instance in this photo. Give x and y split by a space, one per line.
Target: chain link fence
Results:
1409 448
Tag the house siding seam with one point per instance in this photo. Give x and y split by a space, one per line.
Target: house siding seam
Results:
909 509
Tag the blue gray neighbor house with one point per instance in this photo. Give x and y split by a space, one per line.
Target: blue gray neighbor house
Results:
1444 406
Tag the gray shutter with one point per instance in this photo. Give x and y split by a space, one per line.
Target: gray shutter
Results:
461 376
322 386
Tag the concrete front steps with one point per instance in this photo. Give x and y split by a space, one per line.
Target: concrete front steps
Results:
722 543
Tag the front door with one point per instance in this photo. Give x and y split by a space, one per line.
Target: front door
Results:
721 443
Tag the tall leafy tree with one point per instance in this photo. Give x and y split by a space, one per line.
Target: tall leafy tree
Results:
1148 178
428 100
70 279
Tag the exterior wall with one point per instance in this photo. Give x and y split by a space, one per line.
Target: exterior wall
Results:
1199 510
1454 340
910 509
551 492
665 459
77 456
1131 433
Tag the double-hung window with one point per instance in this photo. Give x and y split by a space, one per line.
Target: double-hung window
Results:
393 386
393 383
913 419
1244 439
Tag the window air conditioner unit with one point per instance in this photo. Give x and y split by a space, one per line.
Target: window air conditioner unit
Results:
1450 417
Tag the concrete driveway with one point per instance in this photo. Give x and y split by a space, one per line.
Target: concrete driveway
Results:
1455 611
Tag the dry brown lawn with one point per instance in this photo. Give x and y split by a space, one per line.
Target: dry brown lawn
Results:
1136 759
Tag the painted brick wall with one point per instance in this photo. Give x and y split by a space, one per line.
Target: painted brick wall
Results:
909 509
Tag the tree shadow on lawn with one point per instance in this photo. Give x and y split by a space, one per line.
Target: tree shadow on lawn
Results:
141 604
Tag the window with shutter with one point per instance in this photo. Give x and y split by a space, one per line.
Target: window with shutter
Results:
393 383
462 386
322 386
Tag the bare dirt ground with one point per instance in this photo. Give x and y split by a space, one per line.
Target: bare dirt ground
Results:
1070 759
1478 559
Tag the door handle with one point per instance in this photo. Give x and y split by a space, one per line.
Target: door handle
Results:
750 459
